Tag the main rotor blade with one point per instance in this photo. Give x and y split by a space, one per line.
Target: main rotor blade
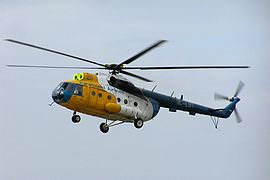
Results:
239 88
133 58
185 67
50 67
220 97
56 52
237 115
135 76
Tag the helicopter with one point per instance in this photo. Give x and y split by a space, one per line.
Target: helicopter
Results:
116 99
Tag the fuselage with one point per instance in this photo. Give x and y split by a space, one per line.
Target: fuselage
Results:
115 98
93 95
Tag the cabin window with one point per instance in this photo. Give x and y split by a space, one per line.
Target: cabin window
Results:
70 87
65 84
109 97
99 95
62 86
119 100
78 90
125 101
135 104
93 93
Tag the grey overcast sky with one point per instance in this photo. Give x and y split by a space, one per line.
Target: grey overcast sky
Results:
40 142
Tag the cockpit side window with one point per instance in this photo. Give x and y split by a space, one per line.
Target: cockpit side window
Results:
78 90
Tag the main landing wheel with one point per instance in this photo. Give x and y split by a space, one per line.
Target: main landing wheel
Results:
104 127
76 118
138 123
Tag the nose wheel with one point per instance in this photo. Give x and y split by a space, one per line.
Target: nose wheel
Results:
75 118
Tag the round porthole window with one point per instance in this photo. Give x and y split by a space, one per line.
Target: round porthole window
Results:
125 101
135 104
109 97
118 99
93 93
99 95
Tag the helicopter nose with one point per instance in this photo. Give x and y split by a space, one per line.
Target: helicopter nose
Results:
58 96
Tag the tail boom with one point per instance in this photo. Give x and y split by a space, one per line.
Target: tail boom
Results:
174 104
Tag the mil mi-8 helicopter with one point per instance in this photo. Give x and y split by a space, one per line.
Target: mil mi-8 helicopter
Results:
117 100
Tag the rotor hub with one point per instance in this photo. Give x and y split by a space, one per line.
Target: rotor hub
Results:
114 68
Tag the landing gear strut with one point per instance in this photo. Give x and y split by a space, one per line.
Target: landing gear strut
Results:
104 127
215 121
75 118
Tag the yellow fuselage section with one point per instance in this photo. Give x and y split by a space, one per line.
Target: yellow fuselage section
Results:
93 99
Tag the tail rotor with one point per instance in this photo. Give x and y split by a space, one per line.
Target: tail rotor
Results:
223 97
238 117
239 88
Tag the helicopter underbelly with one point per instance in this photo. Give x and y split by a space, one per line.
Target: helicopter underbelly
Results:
126 113
129 114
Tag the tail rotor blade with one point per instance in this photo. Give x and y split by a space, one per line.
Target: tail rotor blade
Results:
220 97
238 117
239 88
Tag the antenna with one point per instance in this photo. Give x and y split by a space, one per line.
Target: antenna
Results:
154 88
